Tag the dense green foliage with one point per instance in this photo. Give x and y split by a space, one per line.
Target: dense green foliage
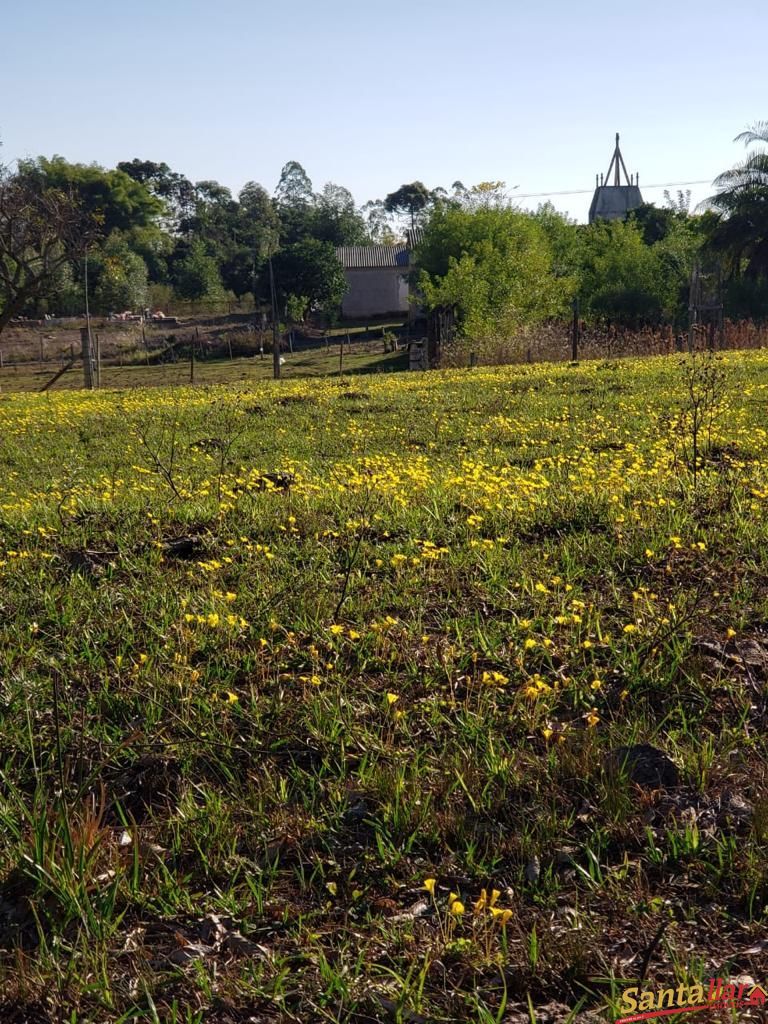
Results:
502 269
162 236
493 264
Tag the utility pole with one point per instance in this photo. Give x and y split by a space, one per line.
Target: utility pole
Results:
275 331
85 335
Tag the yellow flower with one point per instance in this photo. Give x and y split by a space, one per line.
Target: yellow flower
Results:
593 718
392 697
630 628
457 908
480 902
232 698
429 885
731 633
495 678
336 629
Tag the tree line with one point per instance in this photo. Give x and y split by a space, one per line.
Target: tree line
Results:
144 235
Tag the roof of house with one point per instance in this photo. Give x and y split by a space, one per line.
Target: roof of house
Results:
364 257
613 202
414 236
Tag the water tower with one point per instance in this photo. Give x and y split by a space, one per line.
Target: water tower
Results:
612 200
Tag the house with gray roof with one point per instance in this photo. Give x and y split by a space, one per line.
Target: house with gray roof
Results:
377 278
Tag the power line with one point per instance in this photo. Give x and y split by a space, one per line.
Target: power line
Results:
588 191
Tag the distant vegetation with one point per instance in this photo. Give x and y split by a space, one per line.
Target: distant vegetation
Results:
152 237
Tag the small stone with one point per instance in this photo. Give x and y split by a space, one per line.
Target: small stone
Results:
645 765
533 870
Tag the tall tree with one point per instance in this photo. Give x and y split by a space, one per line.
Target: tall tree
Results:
295 186
42 229
742 202
377 223
258 233
493 266
295 201
336 219
410 199
309 271
624 279
196 272
112 198
176 191
119 277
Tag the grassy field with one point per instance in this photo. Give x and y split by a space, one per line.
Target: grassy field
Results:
312 362
314 694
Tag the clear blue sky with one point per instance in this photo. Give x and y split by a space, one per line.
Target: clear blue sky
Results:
370 94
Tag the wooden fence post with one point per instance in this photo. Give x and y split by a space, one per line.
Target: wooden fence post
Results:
85 348
575 332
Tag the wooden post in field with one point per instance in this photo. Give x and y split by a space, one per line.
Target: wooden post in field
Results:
192 361
144 339
229 345
275 329
85 348
98 361
575 332
341 354
1 359
41 350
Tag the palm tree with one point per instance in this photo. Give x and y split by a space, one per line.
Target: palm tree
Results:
742 203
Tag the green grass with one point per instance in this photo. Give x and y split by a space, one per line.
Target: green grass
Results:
274 654
362 357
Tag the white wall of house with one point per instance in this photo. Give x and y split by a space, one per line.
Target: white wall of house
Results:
375 291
